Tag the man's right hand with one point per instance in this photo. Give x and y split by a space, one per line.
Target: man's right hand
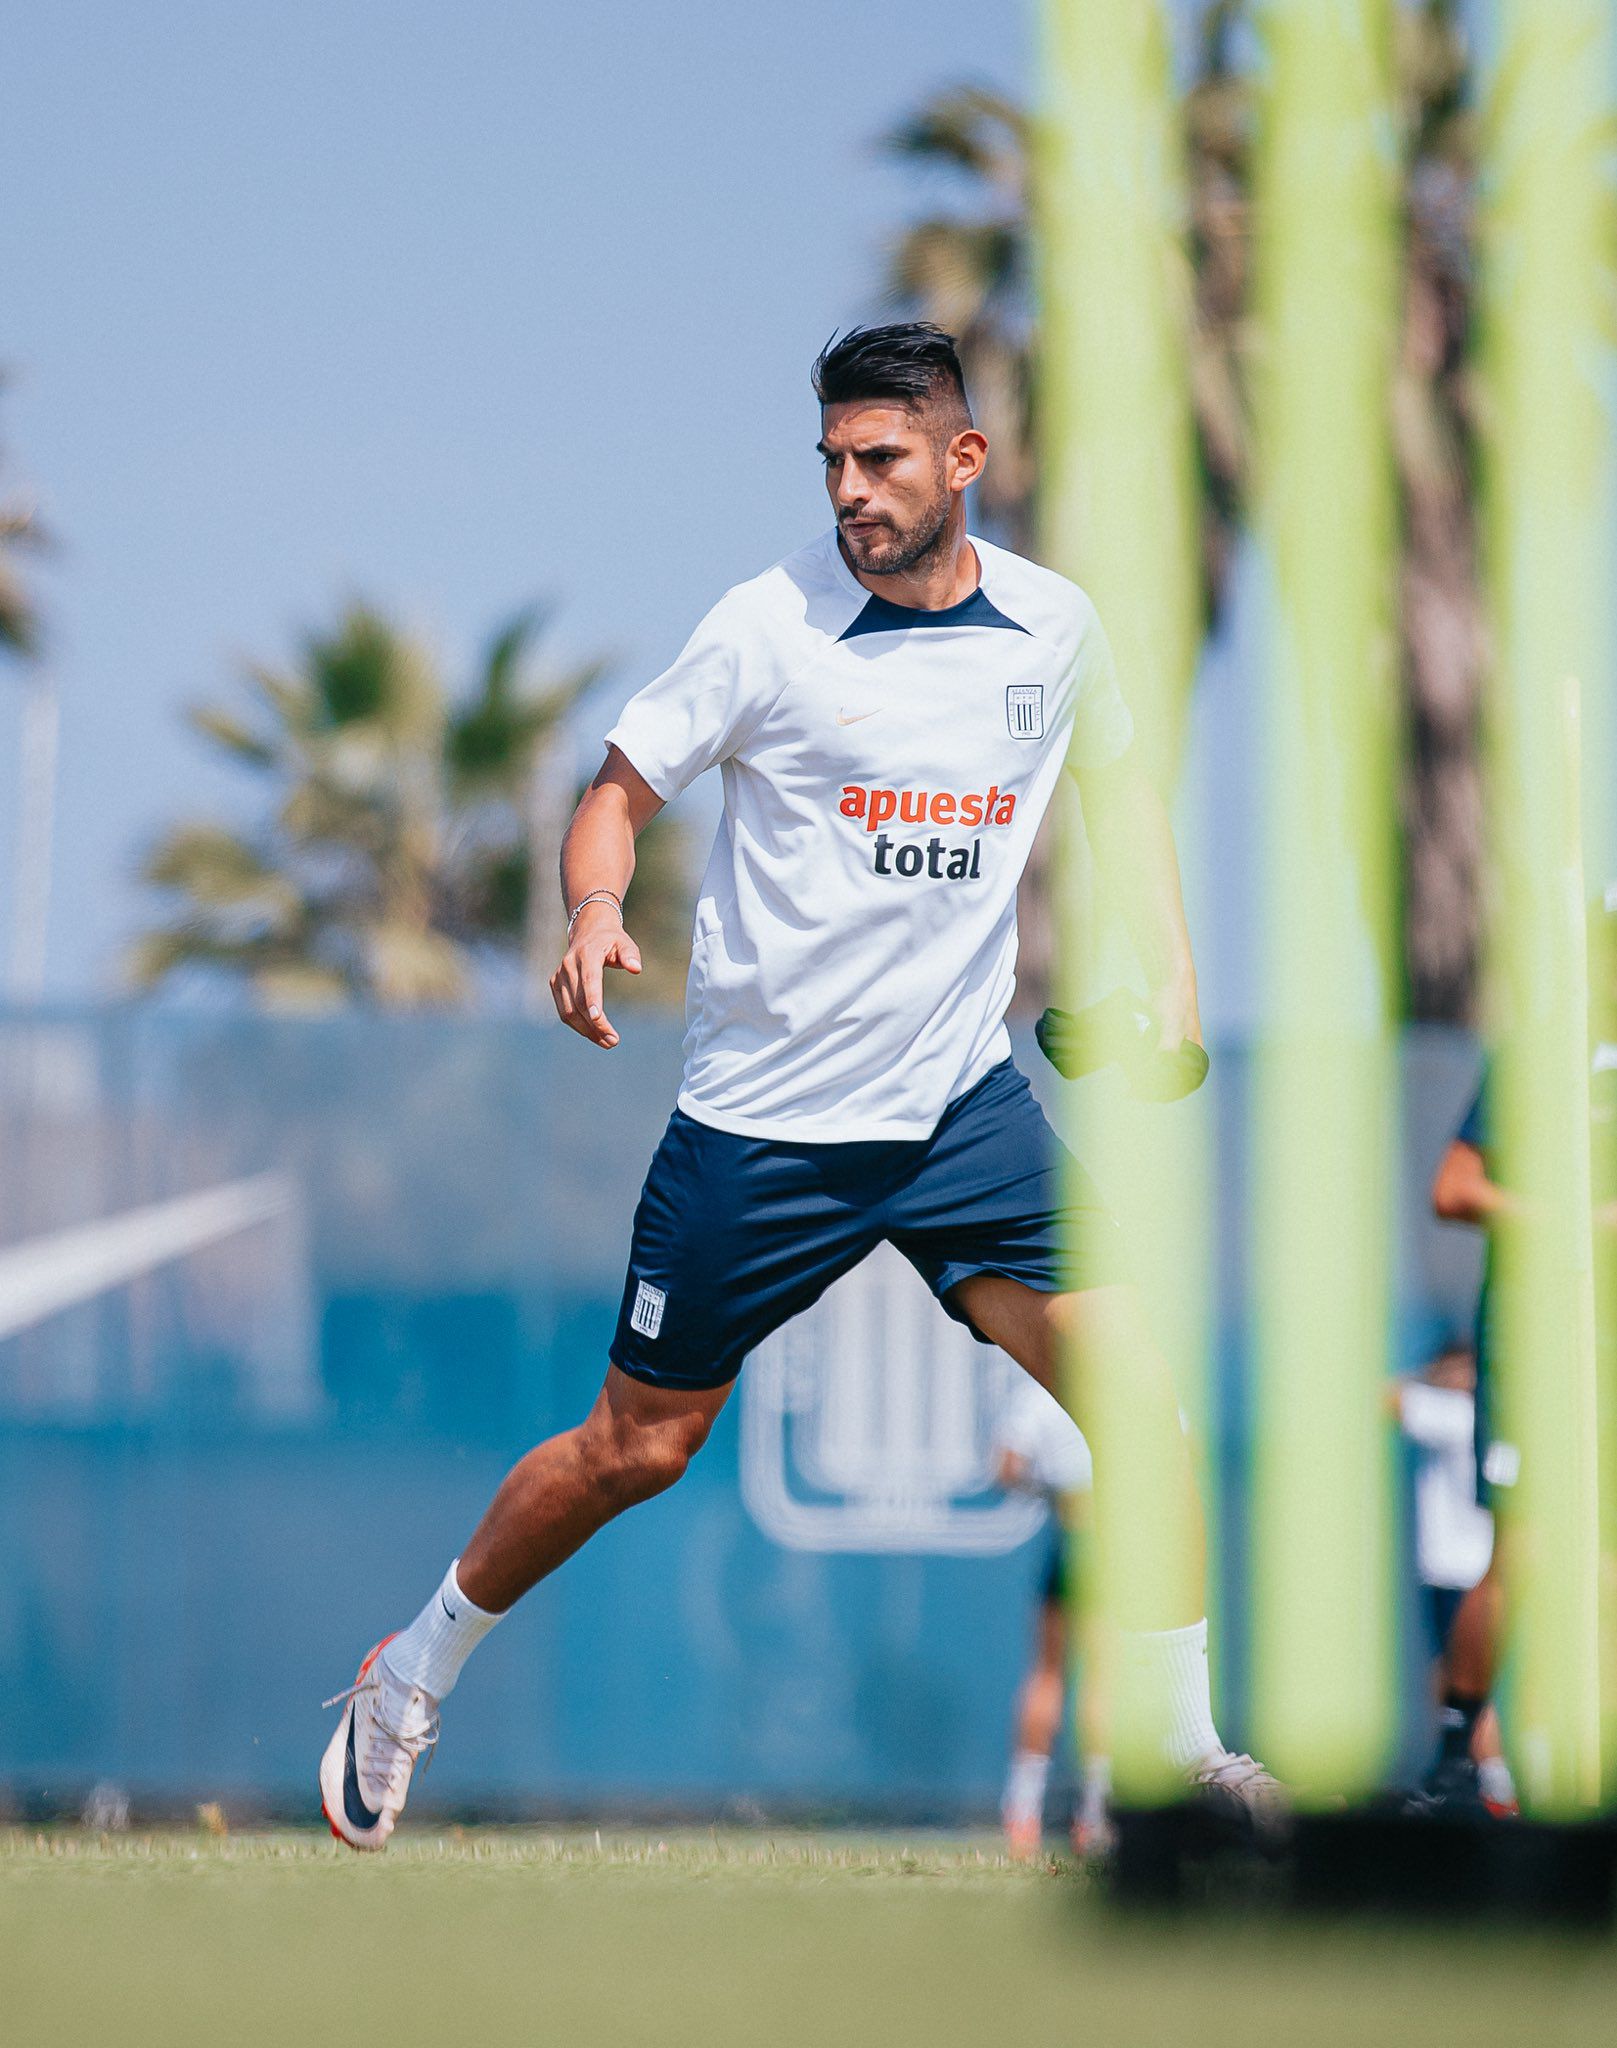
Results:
598 941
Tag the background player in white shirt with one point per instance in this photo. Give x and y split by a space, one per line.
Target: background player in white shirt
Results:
890 709
1039 1449
1454 1532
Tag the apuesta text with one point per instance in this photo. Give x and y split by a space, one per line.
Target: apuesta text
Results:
873 808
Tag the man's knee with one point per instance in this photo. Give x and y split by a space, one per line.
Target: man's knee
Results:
630 1455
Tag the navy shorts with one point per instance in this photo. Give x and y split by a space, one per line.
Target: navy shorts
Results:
1053 1580
734 1236
1439 1605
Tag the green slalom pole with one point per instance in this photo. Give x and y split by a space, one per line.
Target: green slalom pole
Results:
1547 239
1119 513
1326 1079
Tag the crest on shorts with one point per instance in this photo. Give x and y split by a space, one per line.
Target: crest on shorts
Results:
647 1314
867 1424
1024 711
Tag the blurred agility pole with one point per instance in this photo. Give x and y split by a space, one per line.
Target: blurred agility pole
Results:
1118 512
1326 1078
1547 398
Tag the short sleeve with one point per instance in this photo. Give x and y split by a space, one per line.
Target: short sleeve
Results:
1474 1126
1036 1428
1102 725
1016 1427
701 709
1436 1418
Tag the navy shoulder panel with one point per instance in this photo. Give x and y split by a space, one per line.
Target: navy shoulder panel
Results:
880 615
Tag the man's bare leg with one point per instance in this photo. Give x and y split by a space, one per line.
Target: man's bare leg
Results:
1038 1725
1469 1759
1471 1655
634 1443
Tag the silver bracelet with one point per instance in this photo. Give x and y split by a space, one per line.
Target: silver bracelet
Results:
595 896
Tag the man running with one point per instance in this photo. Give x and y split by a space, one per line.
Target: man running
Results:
889 709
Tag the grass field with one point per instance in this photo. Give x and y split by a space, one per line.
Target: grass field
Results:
714 1938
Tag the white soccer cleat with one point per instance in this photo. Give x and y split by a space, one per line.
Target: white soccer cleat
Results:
1239 1790
387 1726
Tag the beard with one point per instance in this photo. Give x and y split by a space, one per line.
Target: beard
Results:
892 552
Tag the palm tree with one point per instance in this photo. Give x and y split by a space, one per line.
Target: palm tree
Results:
20 532
395 854
969 268
20 638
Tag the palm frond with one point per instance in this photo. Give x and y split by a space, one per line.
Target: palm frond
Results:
233 735
370 674
301 987
491 739
956 269
217 867
970 129
413 967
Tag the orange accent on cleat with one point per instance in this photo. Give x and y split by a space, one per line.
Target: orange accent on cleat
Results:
374 1654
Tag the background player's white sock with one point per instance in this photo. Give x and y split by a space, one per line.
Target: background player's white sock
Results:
1498 1786
1023 1803
430 1652
1096 1791
1166 1671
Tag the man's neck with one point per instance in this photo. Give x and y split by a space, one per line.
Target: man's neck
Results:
946 575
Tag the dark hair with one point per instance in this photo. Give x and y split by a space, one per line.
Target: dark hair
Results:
908 360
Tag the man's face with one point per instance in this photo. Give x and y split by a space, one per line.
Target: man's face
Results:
888 477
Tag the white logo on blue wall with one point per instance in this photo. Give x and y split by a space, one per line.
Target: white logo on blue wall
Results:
1024 711
647 1314
867 1423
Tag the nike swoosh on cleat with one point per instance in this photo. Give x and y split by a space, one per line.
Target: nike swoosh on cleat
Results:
844 719
359 1814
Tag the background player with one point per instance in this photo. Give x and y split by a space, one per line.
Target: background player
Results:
890 708
1454 1540
1465 1191
1040 1450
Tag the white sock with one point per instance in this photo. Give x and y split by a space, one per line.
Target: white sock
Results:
1025 1788
1165 1670
1497 1783
1096 1792
430 1652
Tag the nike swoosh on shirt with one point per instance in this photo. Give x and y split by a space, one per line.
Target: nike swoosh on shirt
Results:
845 718
359 1814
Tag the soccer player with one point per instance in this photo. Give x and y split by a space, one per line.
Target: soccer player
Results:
1464 1192
1040 1450
889 709
1454 1540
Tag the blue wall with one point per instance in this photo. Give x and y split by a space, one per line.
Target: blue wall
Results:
220 1483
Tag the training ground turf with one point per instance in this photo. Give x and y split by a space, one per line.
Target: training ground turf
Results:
492 1938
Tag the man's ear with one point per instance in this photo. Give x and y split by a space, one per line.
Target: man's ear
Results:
968 455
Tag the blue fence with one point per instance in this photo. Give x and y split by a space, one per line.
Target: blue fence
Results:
279 1303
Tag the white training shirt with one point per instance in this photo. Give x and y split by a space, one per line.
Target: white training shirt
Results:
1035 1427
1453 1535
885 771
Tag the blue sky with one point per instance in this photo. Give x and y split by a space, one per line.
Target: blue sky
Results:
453 308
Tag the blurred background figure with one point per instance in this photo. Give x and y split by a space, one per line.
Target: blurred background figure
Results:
1454 1540
1040 1450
